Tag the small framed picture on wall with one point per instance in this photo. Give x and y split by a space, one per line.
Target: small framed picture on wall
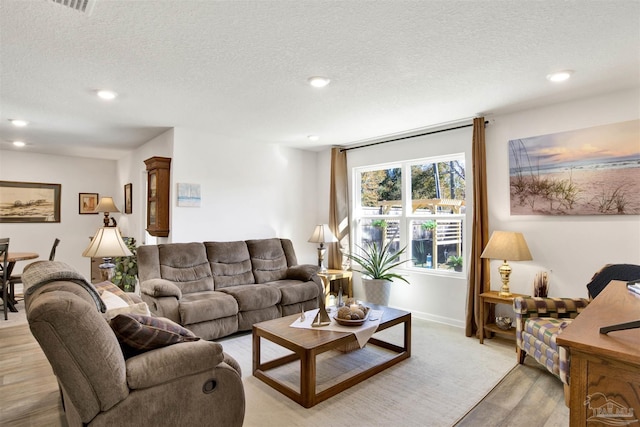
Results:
128 203
87 203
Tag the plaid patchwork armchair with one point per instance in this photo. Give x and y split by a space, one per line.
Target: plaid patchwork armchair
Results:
538 323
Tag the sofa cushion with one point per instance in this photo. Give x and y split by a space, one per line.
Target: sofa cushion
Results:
254 297
202 306
295 291
230 263
186 265
145 333
268 260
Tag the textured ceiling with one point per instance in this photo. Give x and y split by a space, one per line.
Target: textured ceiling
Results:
238 69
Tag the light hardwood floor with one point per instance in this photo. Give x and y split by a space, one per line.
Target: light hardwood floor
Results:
528 396
28 389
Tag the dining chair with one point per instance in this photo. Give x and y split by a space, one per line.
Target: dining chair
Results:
17 278
4 252
52 254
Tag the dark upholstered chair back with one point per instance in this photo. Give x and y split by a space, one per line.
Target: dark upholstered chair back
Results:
609 272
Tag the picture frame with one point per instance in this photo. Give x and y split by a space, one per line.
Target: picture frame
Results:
29 202
589 171
87 203
128 201
189 195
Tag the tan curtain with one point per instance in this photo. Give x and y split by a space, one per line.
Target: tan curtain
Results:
338 207
479 268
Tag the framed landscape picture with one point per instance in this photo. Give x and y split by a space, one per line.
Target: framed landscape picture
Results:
128 204
29 202
87 203
592 171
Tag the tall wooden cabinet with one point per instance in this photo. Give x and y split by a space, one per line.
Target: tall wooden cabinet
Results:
158 183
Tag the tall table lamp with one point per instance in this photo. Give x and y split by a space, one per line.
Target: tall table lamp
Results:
322 234
107 205
106 244
507 246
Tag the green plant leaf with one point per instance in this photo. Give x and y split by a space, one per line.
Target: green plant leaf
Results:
377 261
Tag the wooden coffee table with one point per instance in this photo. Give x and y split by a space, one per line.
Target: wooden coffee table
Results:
307 344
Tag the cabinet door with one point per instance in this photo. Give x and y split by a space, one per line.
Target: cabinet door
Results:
158 178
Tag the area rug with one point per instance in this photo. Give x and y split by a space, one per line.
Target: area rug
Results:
446 376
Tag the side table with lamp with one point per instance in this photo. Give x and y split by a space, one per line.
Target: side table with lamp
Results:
507 246
322 234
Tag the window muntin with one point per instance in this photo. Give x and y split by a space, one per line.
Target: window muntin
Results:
428 216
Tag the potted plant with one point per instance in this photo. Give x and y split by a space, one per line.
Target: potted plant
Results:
455 262
377 261
428 227
126 271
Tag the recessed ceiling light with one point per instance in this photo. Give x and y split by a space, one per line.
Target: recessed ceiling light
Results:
19 123
19 143
313 137
318 81
560 76
107 94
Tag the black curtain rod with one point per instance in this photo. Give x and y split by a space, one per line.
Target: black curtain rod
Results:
408 137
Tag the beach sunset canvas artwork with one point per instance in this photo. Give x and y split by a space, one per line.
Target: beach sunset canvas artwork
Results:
592 171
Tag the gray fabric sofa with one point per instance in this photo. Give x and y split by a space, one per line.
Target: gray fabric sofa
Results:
185 384
218 288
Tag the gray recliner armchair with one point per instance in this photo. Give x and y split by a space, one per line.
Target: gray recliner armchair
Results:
185 384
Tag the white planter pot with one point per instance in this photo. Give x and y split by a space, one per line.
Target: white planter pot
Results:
377 291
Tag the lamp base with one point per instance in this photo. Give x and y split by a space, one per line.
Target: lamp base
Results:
505 273
107 269
321 251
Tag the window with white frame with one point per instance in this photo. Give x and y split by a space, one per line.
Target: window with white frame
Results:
416 203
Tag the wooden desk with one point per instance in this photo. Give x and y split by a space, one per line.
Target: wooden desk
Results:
331 275
605 369
12 258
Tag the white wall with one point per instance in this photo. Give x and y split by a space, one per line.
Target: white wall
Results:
571 248
249 190
132 169
77 175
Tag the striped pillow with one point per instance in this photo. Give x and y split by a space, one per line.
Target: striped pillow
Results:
143 333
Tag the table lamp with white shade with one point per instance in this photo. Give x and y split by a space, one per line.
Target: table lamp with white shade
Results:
507 246
107 244
322 234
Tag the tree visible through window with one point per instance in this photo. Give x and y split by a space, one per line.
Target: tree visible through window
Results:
426 213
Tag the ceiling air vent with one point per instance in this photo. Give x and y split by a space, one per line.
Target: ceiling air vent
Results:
84 6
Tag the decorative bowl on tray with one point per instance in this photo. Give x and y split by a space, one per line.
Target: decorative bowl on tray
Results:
353 315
